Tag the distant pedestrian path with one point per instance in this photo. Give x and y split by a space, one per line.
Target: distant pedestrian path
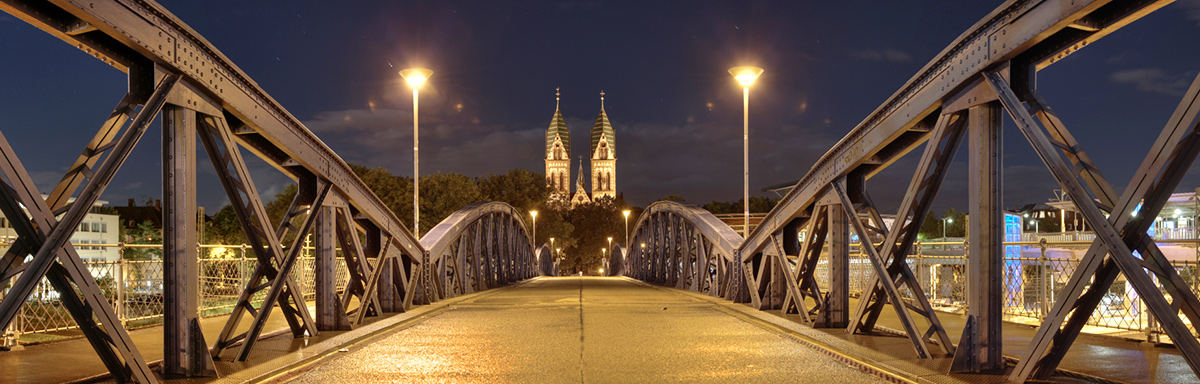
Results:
584 329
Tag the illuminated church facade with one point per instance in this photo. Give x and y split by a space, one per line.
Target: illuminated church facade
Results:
602 153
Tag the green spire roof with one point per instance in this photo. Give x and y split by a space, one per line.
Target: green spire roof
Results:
603 128
558 129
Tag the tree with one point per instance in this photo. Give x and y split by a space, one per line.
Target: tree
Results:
523 189
225 228
277 208
443 194
594 224
394 191
758 204
673 197
552 223
145 233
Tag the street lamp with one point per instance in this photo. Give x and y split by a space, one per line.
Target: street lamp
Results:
944 221
745 76
552 242
610 242
534 214
416 77
626 213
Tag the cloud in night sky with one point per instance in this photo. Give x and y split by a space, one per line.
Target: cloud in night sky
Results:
1152 80
887 54
702 158
1191 8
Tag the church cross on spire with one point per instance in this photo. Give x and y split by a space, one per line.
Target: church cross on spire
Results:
556 94
601 99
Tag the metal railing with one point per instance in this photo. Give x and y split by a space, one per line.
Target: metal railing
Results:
134 289
1034 274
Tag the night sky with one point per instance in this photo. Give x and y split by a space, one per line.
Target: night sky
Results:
662 65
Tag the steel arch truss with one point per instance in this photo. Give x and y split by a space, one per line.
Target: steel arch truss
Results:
479 247
1119 224
42 234
685 247
960 93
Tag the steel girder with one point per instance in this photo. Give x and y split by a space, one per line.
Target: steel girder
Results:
682 246
1052 29
169 63
1160 173
44 236
1038 33
185 353
273 267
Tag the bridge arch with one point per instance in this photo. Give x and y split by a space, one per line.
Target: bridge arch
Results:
684 246
481 246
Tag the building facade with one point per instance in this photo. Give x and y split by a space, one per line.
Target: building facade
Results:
95 240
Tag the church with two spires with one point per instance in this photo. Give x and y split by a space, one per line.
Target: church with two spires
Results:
558 159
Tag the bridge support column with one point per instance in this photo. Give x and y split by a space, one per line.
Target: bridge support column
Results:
835 311
185 354
979 348
330 316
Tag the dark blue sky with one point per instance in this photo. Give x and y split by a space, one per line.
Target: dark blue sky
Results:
662 65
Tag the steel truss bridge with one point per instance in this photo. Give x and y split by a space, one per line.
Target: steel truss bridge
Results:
959 96
174 71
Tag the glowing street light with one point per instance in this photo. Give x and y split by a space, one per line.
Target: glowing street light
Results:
944 221
745 76
534 214
552 242
416 77
626 213
610 242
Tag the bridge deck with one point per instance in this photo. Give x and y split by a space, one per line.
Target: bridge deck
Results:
588 329
594 329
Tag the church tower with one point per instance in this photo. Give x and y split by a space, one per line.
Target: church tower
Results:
581 196
558 156
604 156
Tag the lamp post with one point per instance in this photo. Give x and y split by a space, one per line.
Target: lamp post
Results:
552 243
626 213
610 242
745 76
944 221
416 77
534 214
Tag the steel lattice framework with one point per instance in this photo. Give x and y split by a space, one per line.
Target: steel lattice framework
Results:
201 93
683 246
958 96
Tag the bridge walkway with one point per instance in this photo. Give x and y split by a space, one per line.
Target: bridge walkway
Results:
592 329
584 329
